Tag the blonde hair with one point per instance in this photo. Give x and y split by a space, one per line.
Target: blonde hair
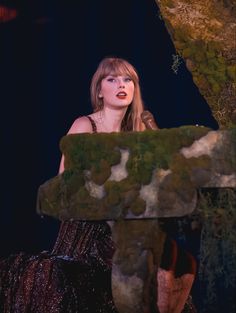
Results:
117 66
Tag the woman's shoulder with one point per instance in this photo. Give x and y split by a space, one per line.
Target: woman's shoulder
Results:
81 124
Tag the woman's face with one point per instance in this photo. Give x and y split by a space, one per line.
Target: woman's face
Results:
117 91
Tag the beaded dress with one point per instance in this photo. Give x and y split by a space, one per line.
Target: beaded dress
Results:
74 278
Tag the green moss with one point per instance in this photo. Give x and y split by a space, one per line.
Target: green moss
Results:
82 195
101 171
181 35
216 88
208 59
186 175
132 238
231 72
140 144
213 46
149 151
187 52
193 170
211 65
199 57
72 179
210 54
129 183
138 206
86 159
113 191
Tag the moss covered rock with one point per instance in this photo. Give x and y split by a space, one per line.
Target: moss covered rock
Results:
138 174
203 33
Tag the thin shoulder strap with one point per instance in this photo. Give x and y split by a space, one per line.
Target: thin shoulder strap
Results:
94 127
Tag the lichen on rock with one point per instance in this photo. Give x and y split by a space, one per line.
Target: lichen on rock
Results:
204 34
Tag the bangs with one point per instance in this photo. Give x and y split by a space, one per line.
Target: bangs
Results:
117 68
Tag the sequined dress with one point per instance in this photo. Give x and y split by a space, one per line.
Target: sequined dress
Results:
75 277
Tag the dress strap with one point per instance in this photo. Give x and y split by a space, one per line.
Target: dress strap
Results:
92 123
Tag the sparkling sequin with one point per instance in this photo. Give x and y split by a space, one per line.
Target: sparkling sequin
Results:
74 277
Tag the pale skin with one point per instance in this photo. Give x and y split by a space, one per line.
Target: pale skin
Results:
117 93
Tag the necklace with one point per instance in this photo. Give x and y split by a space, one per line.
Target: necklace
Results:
100 121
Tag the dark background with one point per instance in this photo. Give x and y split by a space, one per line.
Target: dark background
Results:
48 54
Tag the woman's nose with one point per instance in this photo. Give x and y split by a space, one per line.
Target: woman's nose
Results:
121 84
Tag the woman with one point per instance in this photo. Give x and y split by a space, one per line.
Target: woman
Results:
117 105
116 100
76 276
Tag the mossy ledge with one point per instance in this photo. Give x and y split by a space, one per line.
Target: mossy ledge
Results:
164 169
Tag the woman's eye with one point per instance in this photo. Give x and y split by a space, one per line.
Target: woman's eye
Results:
128 79
111 79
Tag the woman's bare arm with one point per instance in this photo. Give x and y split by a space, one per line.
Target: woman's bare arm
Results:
80 125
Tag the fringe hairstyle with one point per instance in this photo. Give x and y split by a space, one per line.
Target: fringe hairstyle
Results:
117 66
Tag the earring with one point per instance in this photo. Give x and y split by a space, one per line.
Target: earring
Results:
100 96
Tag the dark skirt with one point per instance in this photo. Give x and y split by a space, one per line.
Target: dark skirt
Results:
75 277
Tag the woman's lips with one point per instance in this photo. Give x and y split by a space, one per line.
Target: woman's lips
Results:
121 95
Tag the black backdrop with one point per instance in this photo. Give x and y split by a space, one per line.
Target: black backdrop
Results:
48 55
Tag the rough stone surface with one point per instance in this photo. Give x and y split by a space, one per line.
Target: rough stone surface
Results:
157 173
204 35
139 248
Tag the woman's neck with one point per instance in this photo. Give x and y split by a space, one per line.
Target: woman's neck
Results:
109 120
